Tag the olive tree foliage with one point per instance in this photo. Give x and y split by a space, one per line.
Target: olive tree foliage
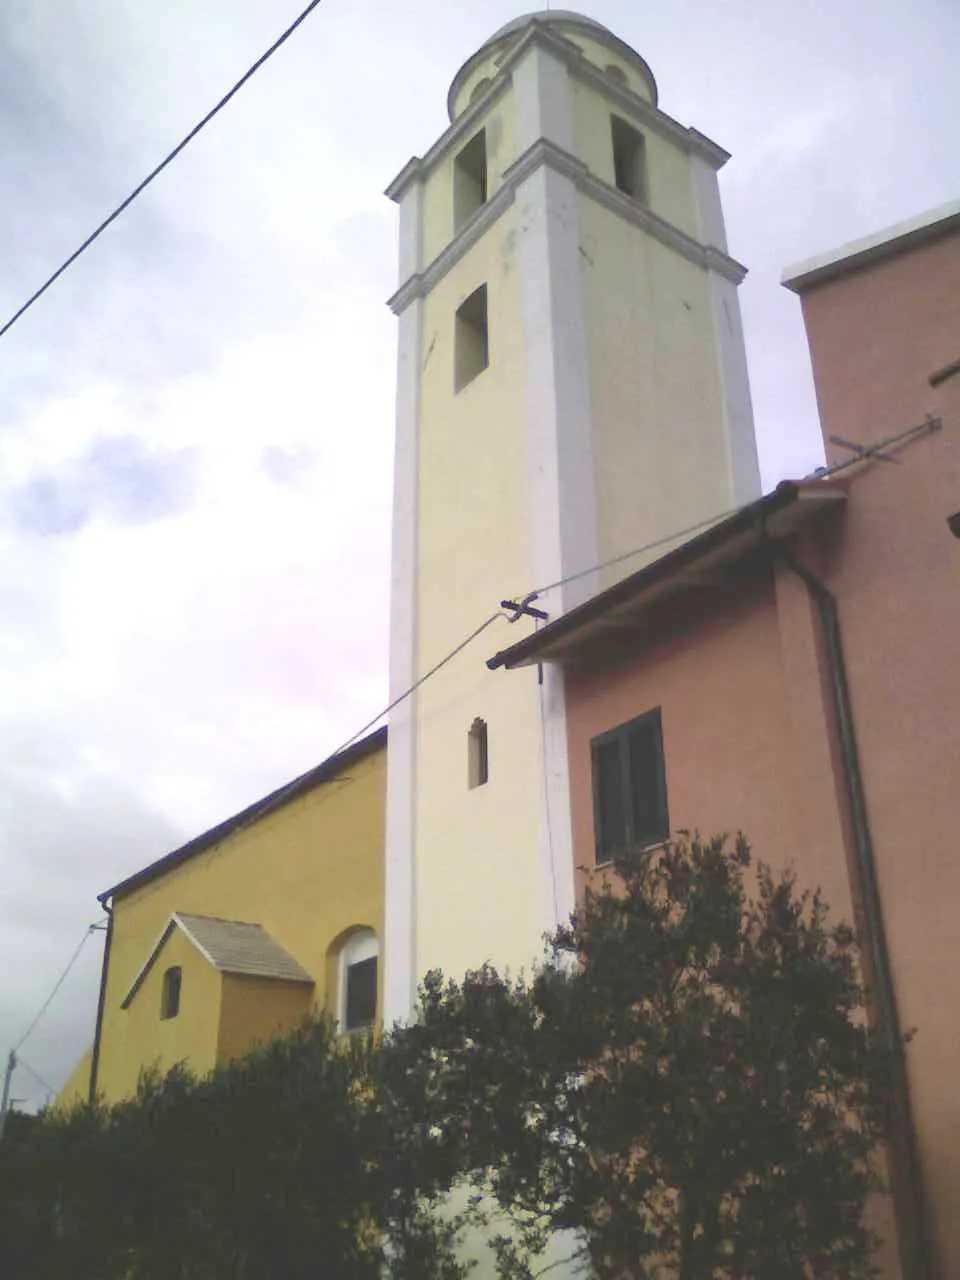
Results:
686 1087
688 1081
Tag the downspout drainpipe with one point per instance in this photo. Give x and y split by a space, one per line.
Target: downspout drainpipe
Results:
916 1255
101 1002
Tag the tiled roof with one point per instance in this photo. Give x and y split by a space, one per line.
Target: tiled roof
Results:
232 946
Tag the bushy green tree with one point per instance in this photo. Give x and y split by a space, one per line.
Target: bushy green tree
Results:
688 1081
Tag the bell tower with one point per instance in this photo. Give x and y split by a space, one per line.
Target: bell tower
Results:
572 385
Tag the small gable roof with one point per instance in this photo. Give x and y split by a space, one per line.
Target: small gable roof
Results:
232 946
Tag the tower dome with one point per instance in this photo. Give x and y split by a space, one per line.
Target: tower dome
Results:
598 45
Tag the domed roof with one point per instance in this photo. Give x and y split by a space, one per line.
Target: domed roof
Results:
564 18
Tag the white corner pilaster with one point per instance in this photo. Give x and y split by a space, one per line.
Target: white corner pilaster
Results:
543 100
562 501
742 455
399 944
706 189
728 327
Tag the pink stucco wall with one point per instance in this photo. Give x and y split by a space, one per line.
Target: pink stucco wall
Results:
749 737
875 337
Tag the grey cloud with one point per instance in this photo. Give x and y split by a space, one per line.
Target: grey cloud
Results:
118 478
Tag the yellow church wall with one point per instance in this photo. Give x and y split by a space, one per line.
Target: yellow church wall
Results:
438 207
143 1039
473 847
306 872
256 1010
77 1087
669 181
655 390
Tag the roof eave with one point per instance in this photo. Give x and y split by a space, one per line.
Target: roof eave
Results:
537 647
326 771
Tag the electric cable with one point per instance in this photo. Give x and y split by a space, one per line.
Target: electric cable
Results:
56 987
278 796
125 204
636 551
22 1062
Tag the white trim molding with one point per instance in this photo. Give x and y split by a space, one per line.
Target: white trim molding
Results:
545 154
631 104
399 949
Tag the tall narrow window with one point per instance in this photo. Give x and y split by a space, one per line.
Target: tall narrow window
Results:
629 787
360 1005
470 179
471 340
629 159
170 995
359 965
478 759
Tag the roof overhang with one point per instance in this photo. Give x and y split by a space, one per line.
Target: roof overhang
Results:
714 560
883 244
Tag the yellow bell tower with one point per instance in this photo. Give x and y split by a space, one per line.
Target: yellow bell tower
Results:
571 385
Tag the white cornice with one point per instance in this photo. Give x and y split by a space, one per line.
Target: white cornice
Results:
546 153
632 104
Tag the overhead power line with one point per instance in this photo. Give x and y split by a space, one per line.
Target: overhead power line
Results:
22 1062
500 613
56 987
125 204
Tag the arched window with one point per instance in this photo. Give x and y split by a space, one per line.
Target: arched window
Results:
480 87
170 995
358 979
616 73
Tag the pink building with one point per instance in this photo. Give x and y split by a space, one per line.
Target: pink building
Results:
793 672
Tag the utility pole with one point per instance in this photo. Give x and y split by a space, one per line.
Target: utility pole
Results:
5 1100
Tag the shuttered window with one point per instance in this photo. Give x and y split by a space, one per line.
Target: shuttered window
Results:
629 787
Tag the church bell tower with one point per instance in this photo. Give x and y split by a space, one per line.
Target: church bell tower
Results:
572 385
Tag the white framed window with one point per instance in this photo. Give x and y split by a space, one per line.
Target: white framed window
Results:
358 978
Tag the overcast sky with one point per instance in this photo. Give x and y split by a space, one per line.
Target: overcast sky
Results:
196 422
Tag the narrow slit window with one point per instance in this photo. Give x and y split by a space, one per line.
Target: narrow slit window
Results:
478 756
170 996
629 159
470 179
471 344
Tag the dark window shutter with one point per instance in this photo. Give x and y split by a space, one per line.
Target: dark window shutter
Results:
610 814
361 995
648 816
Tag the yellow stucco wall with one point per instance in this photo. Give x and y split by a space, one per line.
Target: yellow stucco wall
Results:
474 847
77 1088
655 389
255 1010
141 1038
487 67
305 872
438 211
669 181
